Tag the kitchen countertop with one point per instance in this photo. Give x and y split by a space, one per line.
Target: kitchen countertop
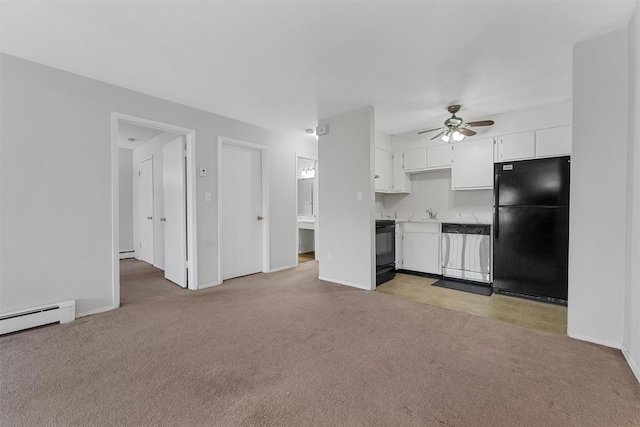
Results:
440 221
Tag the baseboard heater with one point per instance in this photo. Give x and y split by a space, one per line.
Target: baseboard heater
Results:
63 312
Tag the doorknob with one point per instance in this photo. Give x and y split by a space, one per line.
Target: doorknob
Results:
259 218
149 217
163 219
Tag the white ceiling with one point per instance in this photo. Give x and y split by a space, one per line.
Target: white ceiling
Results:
141 134
284 65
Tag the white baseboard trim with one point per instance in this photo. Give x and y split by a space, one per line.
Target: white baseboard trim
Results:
342 282
632 363
286 267
127 254
96 311
606 343
158 267
208 285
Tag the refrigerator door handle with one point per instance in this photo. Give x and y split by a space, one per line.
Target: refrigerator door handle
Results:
496 190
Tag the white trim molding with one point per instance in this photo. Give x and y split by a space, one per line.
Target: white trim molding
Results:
634 368
342 282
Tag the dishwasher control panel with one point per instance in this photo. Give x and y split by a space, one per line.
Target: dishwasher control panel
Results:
482 229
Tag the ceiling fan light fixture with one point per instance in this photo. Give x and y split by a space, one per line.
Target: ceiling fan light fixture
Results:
446 136
457 135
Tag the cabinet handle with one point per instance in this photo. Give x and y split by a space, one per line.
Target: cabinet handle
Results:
163 219
259 218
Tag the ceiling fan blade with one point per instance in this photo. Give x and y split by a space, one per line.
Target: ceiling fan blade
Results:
481 123
430 130
467 132
438 135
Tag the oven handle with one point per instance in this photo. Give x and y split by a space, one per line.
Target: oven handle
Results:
386 229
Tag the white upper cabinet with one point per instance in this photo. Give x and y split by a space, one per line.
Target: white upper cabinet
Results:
518 146
554 142
472 167
537 144
415 160
439 156
383 171
401 182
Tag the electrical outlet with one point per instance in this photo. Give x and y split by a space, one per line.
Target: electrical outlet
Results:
329 257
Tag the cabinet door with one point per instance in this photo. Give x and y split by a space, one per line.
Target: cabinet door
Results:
401 182
421 247
518 146
383 171
439 156
554 142
472 167
415 160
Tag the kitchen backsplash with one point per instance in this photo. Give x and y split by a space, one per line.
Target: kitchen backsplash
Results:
432 190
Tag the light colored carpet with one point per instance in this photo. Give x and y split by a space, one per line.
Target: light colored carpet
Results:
288 349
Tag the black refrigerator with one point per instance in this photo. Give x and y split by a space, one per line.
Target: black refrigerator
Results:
531 229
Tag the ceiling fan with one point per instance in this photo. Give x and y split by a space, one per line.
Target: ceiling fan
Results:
455 129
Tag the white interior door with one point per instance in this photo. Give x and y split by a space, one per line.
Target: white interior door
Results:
145 211
241 205
174 220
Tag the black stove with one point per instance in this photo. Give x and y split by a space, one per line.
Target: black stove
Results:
385 250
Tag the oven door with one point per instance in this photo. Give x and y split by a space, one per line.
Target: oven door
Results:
385 245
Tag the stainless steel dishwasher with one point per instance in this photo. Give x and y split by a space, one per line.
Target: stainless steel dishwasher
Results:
466 252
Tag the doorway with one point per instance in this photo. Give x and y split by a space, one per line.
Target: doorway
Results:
164 212
306 208
242 211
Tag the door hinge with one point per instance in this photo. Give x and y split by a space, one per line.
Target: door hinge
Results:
140 244
139 173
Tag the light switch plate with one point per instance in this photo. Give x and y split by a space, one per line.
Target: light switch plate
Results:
207 197
359 195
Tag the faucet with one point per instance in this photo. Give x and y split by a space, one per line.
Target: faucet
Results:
431 214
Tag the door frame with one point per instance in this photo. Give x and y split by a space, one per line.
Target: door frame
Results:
262 149
192 243
315 192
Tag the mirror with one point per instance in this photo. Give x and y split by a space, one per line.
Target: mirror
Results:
305 197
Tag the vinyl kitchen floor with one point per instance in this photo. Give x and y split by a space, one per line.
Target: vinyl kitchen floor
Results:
522 312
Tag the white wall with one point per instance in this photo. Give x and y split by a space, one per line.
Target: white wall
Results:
125 183
346 224
631 339
151 149
598 200
59 124
382 140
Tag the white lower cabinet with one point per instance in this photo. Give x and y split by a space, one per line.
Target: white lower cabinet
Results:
472 167
421 247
